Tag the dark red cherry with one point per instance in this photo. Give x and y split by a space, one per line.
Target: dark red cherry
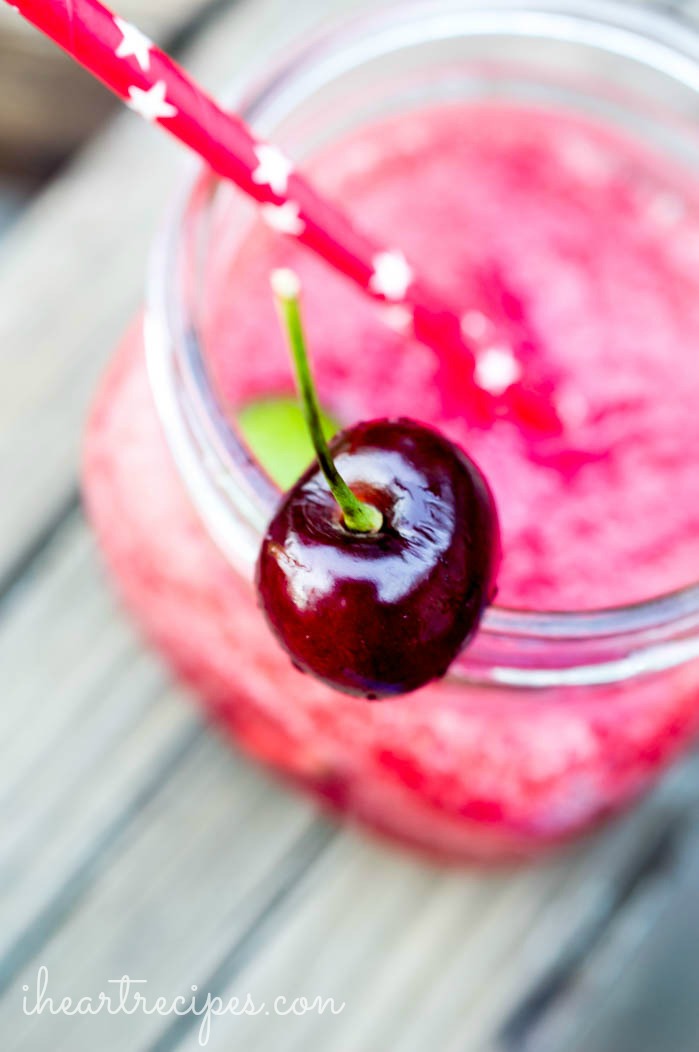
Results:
383 613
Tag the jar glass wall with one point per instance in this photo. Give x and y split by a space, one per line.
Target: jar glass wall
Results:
548 721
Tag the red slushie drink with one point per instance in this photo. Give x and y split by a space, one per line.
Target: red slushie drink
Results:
569 249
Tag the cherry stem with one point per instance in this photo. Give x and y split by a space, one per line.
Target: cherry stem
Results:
357 515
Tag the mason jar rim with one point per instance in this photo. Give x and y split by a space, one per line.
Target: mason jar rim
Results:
231 492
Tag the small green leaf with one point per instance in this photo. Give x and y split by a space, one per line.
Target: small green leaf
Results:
277 434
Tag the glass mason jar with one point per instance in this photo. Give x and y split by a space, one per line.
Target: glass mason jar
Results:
548 722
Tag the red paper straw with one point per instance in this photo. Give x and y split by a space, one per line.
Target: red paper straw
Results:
153 85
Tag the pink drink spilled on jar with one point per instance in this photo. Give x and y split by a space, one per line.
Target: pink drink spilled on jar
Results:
567 246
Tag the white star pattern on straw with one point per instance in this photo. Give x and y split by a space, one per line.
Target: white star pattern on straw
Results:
285 219
392 275
273 169
497 369
134 43
152 104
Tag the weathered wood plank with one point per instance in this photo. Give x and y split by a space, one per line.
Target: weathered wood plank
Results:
90 701
206 856
637 990
13 195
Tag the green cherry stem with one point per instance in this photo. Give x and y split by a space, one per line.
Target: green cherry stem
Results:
357 515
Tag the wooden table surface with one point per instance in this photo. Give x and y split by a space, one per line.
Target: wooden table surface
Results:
135 842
